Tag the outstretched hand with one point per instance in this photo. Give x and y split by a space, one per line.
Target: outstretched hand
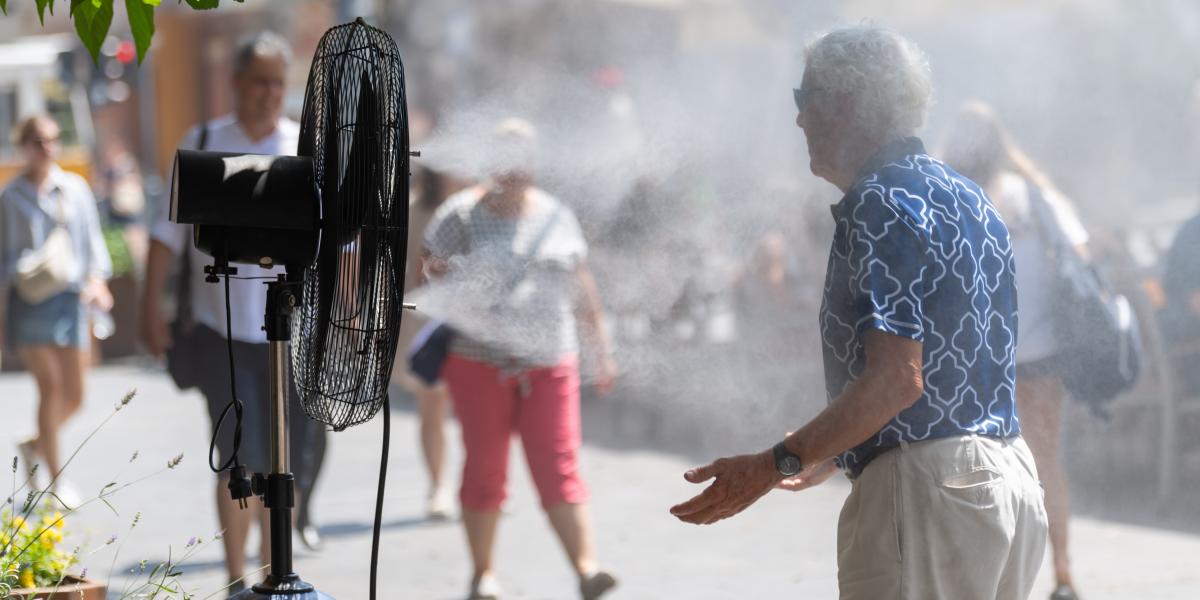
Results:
739 481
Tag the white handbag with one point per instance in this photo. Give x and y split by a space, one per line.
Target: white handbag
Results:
48 270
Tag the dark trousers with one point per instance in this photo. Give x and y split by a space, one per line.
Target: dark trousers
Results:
307 450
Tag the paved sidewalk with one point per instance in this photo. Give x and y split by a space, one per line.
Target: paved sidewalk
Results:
783 547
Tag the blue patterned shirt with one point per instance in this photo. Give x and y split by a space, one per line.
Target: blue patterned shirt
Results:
920 252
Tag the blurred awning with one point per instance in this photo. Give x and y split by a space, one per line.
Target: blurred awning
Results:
27 65
33 53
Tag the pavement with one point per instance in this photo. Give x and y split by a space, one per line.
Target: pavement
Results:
781 547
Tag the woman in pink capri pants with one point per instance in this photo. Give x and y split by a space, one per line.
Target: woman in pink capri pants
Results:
515 258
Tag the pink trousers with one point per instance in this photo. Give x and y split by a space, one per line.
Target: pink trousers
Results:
541 405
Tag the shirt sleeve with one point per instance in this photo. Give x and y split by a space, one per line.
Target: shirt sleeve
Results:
579 247
99 261
887 260
173 235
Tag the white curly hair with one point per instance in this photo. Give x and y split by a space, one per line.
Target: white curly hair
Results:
263 44
884 76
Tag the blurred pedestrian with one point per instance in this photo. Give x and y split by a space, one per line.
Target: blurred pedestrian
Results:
767 287
916 325
121 184
1180 317
54 268
424 383
258 127
1037 214
516 255
770 300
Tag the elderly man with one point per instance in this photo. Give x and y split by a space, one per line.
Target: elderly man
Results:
918 327
256 126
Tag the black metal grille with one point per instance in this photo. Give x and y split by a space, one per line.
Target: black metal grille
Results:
355 128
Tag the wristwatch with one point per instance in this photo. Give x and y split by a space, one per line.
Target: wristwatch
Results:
786 462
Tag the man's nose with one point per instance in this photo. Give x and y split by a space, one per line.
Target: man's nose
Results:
800 120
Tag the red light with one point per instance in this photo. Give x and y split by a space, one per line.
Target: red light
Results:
126 52
608 77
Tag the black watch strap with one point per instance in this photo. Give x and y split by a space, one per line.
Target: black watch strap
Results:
788 463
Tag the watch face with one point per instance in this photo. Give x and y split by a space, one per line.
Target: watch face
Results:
790 465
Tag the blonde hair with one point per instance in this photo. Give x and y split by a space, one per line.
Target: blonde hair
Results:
979 147
514 146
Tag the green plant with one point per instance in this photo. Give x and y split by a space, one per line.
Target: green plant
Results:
163 579
92 18
34 558
118 250
32 532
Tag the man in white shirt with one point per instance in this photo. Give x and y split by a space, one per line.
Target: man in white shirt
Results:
256 127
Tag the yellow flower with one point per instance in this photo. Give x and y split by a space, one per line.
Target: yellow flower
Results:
26 578
18 524
56 520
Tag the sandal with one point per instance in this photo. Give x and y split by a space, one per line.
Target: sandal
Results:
1064 592
597 584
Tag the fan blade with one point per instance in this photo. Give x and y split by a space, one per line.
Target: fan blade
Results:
360 183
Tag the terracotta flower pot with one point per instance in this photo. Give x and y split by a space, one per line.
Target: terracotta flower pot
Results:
72 588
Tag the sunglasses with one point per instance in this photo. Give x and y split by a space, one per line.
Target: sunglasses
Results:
802 96
42 141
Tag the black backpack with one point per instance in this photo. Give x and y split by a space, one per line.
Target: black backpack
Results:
1100 343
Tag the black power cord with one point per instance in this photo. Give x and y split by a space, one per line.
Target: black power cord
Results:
239 482
383 462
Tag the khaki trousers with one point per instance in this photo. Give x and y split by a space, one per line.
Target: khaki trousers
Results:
957 518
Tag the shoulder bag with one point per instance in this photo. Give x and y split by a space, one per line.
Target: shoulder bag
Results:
48 270
1099 341
183 362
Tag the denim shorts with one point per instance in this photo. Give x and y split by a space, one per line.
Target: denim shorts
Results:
60 320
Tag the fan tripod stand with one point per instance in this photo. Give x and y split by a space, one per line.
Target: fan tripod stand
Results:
278 488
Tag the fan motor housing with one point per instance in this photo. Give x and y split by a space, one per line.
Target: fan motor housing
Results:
248 208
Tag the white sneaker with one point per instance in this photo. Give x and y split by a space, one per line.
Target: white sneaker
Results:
439 507
67 495
485 588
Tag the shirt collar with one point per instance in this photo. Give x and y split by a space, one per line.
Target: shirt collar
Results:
271 138
888 153
55 177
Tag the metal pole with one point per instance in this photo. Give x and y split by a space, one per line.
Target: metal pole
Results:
277 488
280 505
279 409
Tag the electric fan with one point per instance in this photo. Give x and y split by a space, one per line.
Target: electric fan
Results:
337 217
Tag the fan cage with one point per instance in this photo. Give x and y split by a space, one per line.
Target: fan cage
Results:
355 129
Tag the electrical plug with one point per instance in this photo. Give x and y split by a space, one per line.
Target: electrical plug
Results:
239 485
